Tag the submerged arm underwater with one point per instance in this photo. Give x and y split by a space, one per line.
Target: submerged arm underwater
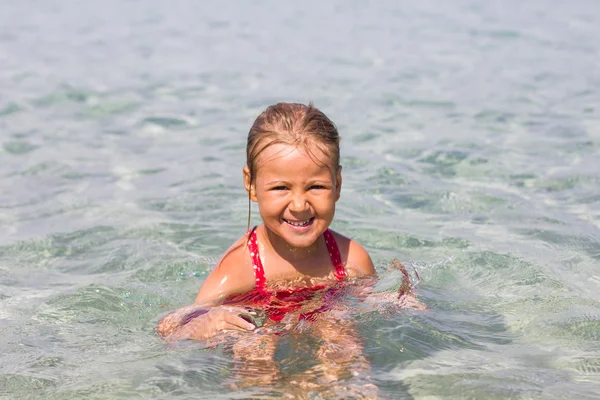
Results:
201 322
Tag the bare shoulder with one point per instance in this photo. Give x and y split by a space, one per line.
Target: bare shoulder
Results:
232 274
354 256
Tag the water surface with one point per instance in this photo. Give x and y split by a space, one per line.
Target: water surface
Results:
470 147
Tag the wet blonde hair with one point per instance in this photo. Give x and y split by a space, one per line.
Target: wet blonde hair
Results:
295 125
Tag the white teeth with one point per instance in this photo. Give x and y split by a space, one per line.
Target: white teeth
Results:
298 223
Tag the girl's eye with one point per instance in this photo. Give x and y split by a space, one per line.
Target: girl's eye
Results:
279 188
318 187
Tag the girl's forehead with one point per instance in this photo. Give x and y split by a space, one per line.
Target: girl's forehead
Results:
312 153
283 161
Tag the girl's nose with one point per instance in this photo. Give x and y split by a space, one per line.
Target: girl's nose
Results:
298 203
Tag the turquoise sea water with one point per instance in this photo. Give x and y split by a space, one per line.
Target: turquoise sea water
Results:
470 147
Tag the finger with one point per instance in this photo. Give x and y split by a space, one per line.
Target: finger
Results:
236 322
247 313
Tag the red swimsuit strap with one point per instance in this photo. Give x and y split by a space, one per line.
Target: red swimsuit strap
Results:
259 271
334 254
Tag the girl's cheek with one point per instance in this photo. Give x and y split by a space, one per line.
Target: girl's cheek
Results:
272 196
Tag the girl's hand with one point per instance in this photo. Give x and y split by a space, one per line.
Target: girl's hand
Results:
214 321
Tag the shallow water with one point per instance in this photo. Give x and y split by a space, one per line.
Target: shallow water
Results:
471 144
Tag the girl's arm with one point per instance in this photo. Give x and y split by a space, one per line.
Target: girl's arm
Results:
356 259
194 322
207 317
358 264
359 258
233 274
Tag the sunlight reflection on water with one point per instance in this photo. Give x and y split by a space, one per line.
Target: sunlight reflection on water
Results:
470 146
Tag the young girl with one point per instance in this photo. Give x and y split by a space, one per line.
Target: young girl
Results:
294 175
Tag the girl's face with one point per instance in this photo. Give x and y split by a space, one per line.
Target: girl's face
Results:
296 196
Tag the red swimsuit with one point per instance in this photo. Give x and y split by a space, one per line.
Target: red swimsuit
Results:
277 304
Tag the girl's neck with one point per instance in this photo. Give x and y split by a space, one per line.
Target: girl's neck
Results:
285 250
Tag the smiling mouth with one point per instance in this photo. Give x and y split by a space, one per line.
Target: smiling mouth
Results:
299 224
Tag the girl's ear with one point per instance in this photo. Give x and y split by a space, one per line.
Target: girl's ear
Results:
250 189
338 183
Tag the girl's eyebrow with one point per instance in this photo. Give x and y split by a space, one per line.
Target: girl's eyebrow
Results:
288 183
277 183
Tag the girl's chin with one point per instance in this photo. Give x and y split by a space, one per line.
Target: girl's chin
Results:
299 244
